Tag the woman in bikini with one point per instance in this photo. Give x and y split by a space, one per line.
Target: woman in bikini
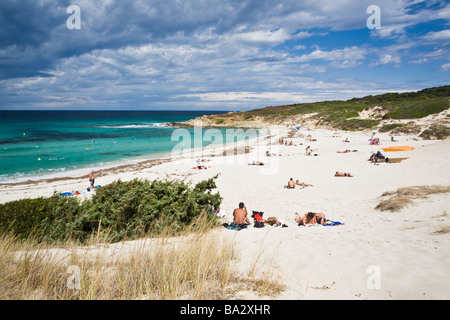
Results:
310 218
342 174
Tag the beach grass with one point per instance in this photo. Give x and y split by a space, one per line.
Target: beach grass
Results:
196 266
402 197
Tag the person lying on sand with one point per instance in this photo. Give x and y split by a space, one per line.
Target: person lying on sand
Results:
378 158
240 215
310 218
303 184
342 174
347 151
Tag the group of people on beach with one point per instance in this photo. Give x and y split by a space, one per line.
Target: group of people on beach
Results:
241 220
240 215
291 184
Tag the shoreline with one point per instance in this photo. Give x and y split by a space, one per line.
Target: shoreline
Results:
119 166
61 182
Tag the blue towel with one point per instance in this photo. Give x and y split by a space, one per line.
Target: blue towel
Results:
332 223
234 226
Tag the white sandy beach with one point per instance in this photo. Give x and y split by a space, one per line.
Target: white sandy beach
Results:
373 255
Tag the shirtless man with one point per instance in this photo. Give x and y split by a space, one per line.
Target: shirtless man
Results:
240 215
291 184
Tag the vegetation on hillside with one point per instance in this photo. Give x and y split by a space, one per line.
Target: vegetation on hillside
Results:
345 115
342 114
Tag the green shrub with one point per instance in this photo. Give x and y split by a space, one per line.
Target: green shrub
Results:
435 132
220 120
24 217
417 109
358 124
125 210
389 127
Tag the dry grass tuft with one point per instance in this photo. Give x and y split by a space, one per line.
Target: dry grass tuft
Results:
196 266
403 197
444 225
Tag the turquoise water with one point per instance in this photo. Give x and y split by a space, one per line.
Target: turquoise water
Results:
34 144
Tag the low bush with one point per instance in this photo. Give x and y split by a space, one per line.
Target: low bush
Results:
389 127
26 216
358 124
122 210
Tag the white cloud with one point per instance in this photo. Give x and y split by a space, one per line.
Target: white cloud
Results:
446 67
387 59
443 35
347 54
271 38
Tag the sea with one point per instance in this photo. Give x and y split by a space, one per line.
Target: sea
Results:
42 144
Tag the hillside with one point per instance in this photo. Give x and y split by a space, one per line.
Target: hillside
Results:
424 113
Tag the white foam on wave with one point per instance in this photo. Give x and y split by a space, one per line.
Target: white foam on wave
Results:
138 126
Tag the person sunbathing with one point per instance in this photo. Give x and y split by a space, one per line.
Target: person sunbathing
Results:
303 184
308 150
240 215
342 174
291 184
310 218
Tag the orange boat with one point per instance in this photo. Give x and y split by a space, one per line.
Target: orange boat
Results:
398 148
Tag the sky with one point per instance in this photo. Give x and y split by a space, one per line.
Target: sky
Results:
226 55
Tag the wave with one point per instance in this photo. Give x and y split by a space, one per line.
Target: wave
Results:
138 126
30 176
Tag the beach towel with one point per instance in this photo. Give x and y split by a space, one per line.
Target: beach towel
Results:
332 223
71 193
235 226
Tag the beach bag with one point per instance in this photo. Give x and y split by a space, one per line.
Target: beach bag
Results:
258 214
259 224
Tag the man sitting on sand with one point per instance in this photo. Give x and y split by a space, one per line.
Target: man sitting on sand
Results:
310 218
240 215
342 174
291 184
